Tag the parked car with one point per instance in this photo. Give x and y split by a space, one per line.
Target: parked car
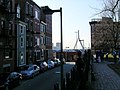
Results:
51 64
56 62
9 80
30 71
43 66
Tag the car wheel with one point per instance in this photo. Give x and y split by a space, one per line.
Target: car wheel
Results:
7 88
20 81
33 75
38 73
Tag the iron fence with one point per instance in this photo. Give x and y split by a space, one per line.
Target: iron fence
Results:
77 78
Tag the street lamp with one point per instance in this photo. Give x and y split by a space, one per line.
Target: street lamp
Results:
47 10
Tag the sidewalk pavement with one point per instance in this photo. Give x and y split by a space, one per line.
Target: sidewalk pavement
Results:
105 77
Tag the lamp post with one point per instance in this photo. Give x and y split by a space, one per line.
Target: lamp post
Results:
47 10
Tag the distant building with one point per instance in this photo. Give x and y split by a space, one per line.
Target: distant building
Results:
102 34
57 46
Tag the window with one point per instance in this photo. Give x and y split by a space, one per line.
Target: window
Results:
27 41
21 58
37 54
41 40
42 27
21 41
27 21
31 10
7 54
44 40
37 26
10 28
9 6
36 14
48 40
2 24
31 25
27 8
37 41
42 52
21 29
18 11
31 42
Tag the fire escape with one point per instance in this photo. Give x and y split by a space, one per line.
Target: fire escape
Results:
7 28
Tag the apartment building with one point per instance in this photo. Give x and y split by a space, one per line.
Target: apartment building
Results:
20 27
25 34
38 30
29 14
104 34
46 35
7 35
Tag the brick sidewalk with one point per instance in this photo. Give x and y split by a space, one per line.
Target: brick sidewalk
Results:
105 78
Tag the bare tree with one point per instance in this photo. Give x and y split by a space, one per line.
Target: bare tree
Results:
101 36
110 30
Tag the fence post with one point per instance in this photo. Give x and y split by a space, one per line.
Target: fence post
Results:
67 81
56 86
64 84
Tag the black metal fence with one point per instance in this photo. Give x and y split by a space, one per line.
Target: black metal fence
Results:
77 78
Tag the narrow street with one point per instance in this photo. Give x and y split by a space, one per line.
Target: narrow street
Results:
46 80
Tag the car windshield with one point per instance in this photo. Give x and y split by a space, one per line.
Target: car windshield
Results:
12 75
45 63
30 68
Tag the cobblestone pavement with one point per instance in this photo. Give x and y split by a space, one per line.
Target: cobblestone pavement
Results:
105 78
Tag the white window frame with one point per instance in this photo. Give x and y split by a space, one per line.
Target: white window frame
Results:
42 40
22 58
22 29
22 42
18 11
42 52
37 14
37 40
27 8
31 10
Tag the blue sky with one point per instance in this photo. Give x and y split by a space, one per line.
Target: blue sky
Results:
76 16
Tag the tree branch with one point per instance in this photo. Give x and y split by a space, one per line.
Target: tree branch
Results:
115 5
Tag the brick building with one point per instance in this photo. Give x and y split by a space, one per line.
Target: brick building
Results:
25 34
7 35
104 34
46 27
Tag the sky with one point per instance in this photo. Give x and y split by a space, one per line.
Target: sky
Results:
76 15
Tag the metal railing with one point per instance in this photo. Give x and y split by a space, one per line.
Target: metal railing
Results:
77 78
